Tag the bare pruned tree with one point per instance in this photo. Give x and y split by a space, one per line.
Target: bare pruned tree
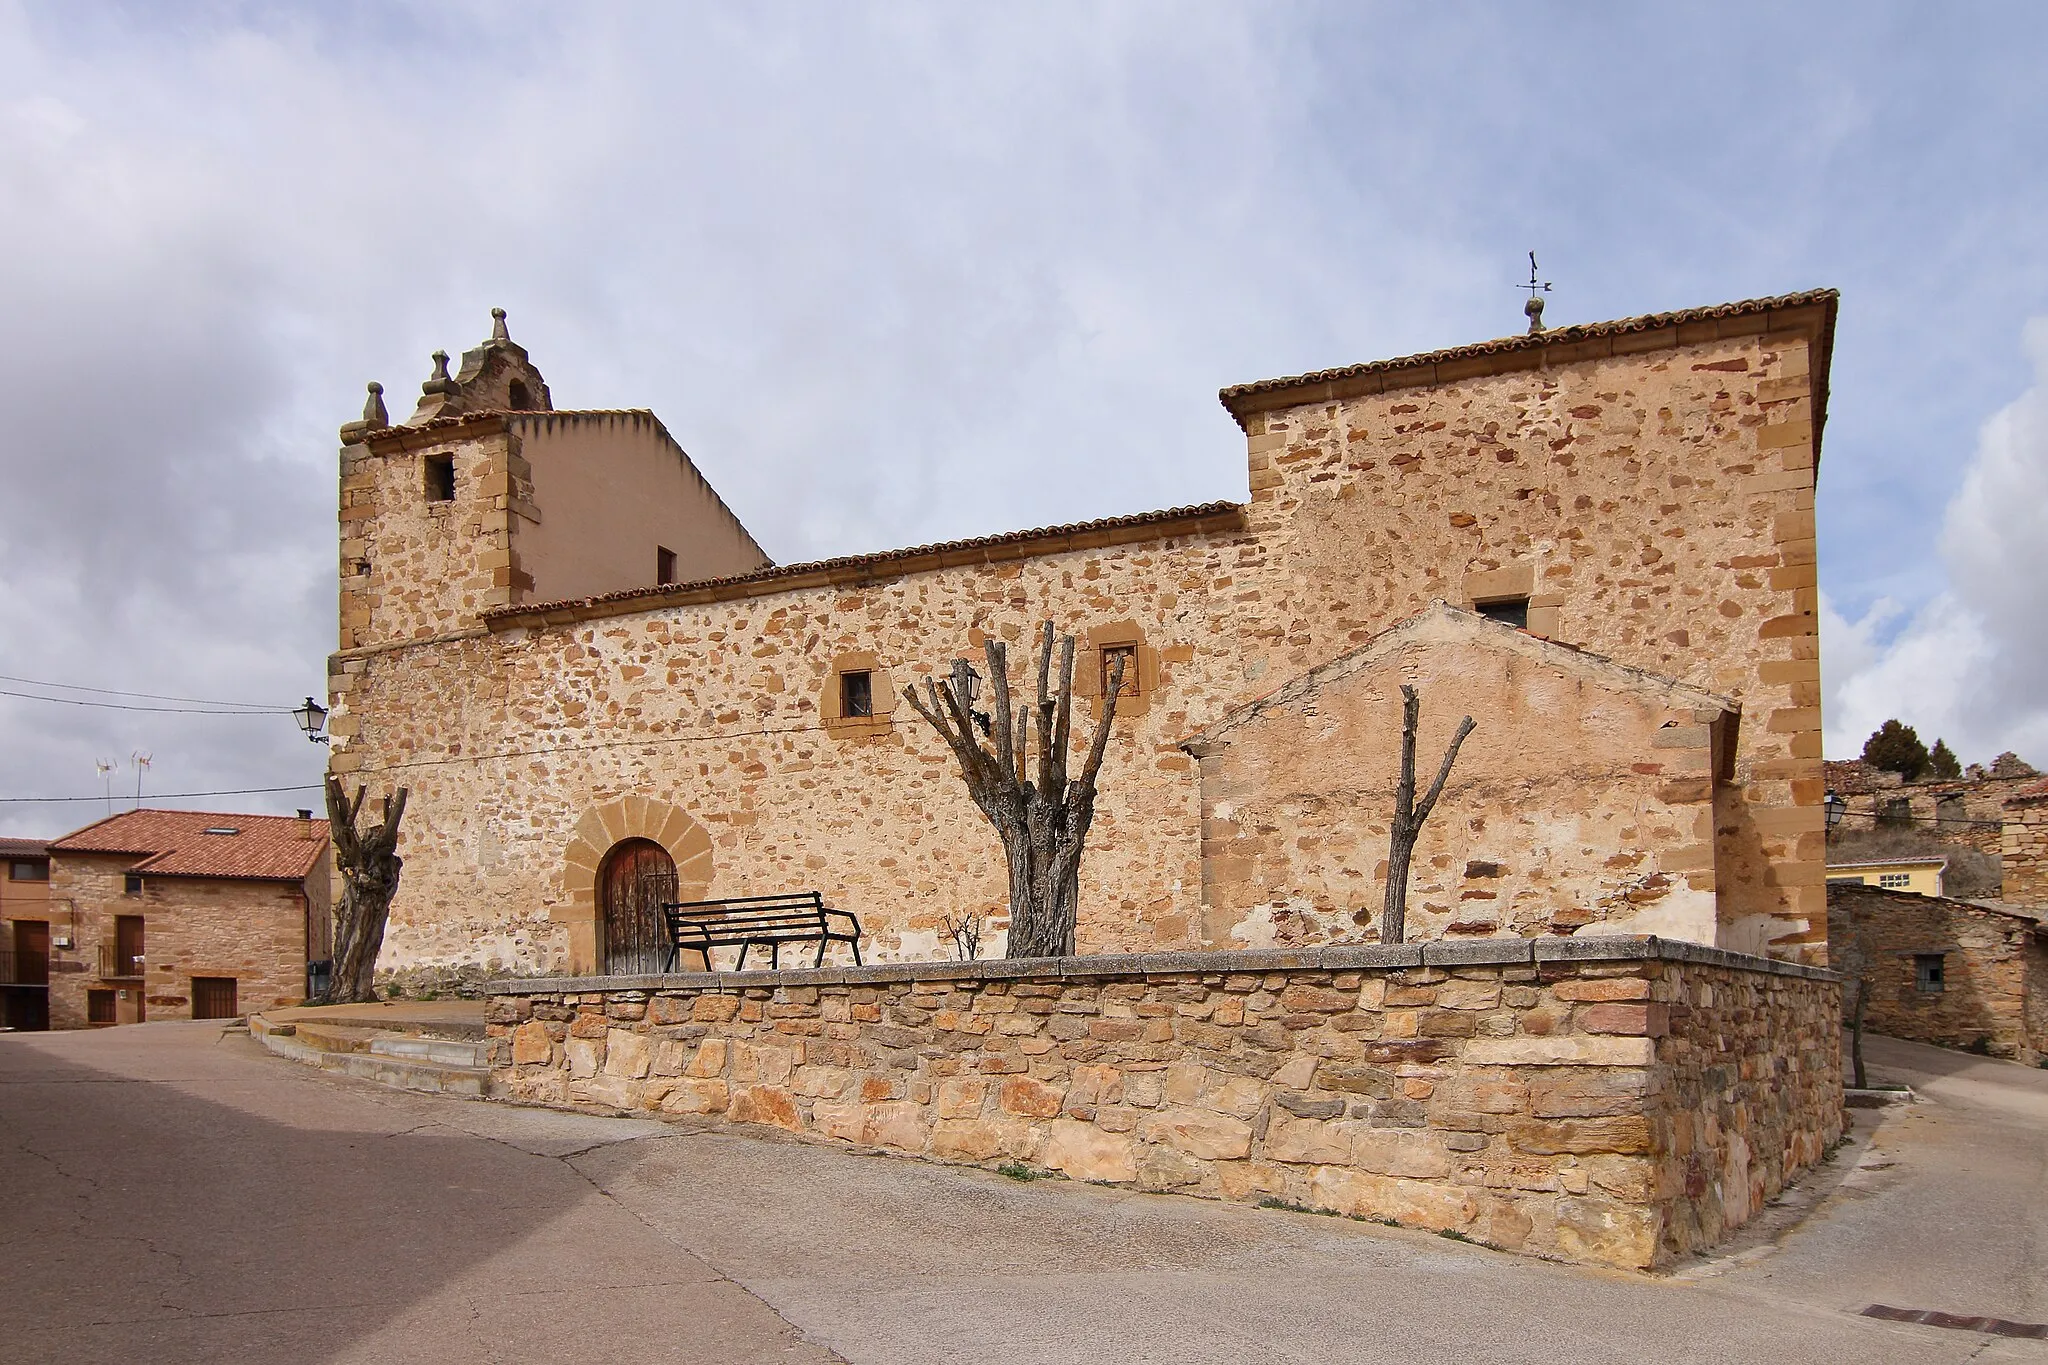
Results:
1408 815
368 862
1042 820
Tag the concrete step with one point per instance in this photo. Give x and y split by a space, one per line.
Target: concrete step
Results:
407 1074
445 1051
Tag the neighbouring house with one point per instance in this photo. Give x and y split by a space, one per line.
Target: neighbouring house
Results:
25 934
1921 876
593 680
1955 973
166 914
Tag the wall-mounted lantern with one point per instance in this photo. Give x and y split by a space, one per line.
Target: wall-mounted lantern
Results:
311 717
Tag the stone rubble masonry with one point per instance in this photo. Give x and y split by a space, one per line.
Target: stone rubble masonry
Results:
1655 493
1619 1102
1590 774
251 930
1994 995
2024 848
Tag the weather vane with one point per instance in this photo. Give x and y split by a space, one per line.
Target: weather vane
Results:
1534 307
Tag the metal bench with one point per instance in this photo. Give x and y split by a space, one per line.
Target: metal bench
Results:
748 922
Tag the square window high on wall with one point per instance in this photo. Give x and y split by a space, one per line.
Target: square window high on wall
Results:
856 694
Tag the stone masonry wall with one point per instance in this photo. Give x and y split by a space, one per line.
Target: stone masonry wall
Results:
1661 502
1877 936
1619 1102
1585 803
2024 850
254 931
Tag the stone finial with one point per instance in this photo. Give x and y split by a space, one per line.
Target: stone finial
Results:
498 329
440 374
373 409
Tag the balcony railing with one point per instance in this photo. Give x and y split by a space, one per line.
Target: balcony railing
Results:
116 965
24 969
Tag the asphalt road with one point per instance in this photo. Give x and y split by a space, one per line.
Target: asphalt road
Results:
170 1193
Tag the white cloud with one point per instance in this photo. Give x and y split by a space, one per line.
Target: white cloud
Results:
1970 666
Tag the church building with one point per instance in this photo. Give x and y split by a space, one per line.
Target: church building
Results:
1597 541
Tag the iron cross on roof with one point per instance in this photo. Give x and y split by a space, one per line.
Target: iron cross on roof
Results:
1534 307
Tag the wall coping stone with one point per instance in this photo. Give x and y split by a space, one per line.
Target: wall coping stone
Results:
1335 957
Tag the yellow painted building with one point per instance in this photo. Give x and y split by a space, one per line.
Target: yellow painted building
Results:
1920 876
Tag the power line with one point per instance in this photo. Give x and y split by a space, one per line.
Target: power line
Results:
123 706
144 696
160 796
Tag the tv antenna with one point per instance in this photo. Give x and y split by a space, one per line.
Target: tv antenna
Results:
141 761
106 768
1534 307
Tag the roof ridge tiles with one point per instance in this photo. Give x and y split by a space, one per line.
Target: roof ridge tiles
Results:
1232 396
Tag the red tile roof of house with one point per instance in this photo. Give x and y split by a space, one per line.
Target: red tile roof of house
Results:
279 848
24 848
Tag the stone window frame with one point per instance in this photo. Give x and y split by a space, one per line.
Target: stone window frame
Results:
1515 582
1136 698
882 696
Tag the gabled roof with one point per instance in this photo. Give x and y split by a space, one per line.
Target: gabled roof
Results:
1441 623
176 843
1555 345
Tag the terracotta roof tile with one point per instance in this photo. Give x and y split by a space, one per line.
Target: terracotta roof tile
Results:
23 848
263 847
1044 539
1235 397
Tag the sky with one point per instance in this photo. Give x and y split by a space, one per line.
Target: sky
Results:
897 273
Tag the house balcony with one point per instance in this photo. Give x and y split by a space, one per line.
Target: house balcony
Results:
24 969
116 965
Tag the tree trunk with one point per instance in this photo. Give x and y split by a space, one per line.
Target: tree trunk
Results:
1041 818
1408 816
369 864
1856 1036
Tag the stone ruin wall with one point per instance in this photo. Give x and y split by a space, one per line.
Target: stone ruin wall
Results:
1661 502
1618 1102
2023 849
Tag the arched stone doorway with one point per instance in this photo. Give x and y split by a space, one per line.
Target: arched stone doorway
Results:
637 879
601 830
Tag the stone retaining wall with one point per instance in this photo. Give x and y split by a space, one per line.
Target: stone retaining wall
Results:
1615 1101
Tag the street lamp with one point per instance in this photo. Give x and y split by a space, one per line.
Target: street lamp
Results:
311 717
967 685
1835 806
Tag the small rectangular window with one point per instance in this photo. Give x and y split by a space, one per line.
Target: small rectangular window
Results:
28 870
664 564
99 1007
856 694
1895 881
1127 655
1927 973
440 478
1513 611
132 883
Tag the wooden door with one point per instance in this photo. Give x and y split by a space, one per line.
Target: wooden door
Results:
128 945
213 997
639 877
32 952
